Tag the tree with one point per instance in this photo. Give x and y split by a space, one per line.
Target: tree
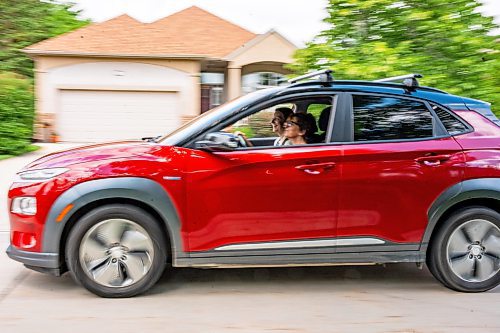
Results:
23 23
445 40
16 113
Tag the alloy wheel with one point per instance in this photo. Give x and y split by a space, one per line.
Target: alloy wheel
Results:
116 252
473 250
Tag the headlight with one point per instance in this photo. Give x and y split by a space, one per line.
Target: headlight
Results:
41 174
24 205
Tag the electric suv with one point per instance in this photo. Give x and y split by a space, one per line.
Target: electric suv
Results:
402 173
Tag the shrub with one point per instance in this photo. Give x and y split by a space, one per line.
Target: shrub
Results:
16 113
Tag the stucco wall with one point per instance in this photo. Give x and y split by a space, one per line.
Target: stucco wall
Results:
55 73
269 48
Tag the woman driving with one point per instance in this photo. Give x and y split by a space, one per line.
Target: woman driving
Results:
280 116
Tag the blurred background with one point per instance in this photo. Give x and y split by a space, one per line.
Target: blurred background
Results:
453 43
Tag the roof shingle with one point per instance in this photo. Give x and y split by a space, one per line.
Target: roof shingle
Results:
190 32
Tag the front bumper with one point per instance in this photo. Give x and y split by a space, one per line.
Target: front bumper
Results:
41 262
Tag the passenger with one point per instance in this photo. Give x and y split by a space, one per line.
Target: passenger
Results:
299 129
278 122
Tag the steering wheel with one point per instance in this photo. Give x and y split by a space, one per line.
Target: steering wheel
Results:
241 140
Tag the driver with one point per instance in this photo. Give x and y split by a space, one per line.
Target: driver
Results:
278 122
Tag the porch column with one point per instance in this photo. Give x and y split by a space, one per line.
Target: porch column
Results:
44 123
234 81
191 98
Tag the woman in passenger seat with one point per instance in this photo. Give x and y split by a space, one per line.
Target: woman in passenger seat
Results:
278 121
299 129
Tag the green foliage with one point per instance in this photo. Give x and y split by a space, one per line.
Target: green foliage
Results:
445 40
16 113
316 109
27 149
23 23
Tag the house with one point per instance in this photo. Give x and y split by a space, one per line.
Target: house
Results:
123 79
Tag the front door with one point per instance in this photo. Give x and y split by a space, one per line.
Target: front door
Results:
264 198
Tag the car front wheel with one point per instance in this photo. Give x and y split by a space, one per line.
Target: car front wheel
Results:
465 254
116 251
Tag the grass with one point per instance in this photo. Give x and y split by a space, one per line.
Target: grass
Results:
27 149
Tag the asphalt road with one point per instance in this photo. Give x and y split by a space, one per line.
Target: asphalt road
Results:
392 298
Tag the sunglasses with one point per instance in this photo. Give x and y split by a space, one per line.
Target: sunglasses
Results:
289 123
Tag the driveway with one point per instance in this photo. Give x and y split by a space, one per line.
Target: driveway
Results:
392 298
9 167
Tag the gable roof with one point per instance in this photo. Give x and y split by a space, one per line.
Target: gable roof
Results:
191 32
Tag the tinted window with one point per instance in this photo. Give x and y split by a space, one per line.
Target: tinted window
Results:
452 124
389 118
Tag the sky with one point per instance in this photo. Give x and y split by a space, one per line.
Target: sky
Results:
297 20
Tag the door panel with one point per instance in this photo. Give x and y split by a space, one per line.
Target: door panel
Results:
387 188
261 195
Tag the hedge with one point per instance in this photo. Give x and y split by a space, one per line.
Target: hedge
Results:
16 114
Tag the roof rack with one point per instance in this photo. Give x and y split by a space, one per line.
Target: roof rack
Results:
325 76
409 80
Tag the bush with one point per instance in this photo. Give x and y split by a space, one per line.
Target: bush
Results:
16 114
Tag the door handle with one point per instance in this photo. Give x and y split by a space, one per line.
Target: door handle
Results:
432 160
315 169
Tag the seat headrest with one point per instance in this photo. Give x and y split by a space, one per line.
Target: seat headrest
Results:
323 119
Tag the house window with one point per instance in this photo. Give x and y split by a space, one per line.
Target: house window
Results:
270 79
215 97
256 81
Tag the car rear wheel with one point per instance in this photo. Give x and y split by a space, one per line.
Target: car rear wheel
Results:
465 254
116 251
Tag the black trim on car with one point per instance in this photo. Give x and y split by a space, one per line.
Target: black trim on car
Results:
454 115
304 259
479 188
39 261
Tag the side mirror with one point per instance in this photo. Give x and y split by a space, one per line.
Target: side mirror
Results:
219 141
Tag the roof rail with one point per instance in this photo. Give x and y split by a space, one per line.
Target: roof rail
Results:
409 80
325 76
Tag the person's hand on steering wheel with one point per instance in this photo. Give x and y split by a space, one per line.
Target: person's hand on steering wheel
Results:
242 139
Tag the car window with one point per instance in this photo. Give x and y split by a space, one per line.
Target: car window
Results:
450 122
390 118
258 125
264 128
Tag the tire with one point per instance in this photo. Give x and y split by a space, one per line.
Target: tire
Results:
116 251
465 252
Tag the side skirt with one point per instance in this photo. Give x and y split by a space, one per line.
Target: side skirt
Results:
308 259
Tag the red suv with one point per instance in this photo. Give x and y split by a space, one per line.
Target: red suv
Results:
398 173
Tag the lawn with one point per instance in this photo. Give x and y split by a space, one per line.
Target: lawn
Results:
28 149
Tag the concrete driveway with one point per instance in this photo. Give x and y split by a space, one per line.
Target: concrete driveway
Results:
392 298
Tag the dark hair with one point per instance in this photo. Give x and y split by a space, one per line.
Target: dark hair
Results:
286 112
306 122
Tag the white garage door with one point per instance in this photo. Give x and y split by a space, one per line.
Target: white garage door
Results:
93 116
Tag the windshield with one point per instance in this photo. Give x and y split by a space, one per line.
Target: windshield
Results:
211 117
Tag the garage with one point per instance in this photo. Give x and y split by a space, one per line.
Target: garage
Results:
107 115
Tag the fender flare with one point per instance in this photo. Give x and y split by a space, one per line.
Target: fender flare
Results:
144 190
480 188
